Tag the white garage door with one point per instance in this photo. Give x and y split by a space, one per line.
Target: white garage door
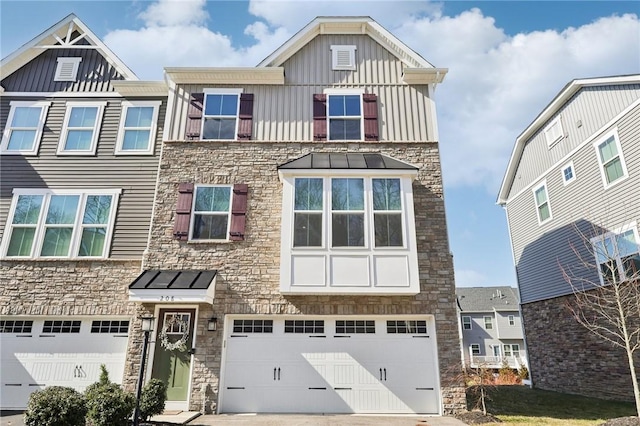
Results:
330 365
35 353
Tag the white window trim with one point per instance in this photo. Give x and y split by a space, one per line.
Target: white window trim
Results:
484 320
596 144
551 142
193 213
573 173
152 133
44 105
470 322
96 128
77 225
633 226
345 92
511 319
471 347
535 202
67 60
228 91
350 49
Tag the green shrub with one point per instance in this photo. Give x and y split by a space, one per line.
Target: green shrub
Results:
56 406
107 403
152 398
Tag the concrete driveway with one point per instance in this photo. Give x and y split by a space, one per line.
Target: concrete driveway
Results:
15 418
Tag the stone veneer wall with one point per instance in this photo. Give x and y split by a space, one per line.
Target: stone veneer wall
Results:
248 271
565 357
67 287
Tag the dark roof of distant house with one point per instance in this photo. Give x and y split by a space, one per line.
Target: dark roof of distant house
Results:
349 160
486 299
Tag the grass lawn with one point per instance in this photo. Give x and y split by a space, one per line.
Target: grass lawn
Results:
518 405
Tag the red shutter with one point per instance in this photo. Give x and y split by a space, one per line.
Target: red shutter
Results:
238 212
319 117
183 211
194 116
370 109
245 126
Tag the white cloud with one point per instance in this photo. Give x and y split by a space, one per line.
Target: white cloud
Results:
495 87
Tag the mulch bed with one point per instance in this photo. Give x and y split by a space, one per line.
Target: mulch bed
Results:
477 417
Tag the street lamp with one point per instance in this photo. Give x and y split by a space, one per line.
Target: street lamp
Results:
147 327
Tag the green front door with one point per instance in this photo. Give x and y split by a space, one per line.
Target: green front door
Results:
172 357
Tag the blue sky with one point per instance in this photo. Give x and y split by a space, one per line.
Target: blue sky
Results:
506 61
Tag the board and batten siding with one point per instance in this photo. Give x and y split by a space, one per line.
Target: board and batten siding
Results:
134 174
285 113
94 73
540 252
586 112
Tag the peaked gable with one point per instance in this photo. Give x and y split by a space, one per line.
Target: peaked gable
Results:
69 34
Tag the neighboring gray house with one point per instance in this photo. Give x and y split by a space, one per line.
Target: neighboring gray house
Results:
78 164
575 171
299 243
490 326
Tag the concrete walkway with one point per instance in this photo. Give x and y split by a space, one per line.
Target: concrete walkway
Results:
321 420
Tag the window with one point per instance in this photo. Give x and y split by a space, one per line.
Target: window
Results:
568 173
347 212
307 214
618 254
512 320
221 107
542 203
61 327
488 323
304 326
44 223
211 210
475 349
343 57
137 132
119 327
553 132
345 116
67 69
496 350
466 323
355 327
81 126
349 221
9 326
407 327
253 326
512 350
612 165
23 131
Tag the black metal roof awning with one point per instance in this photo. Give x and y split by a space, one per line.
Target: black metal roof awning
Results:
348 160
173 286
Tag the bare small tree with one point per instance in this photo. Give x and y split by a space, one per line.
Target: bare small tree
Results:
609 305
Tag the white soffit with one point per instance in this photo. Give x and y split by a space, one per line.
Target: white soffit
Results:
244 75
140 88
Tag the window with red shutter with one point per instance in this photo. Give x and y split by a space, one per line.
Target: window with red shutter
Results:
370 110
319 117
183 211
245 116
194 116
238 212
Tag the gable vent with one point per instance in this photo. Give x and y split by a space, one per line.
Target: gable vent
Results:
67 69
343 57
